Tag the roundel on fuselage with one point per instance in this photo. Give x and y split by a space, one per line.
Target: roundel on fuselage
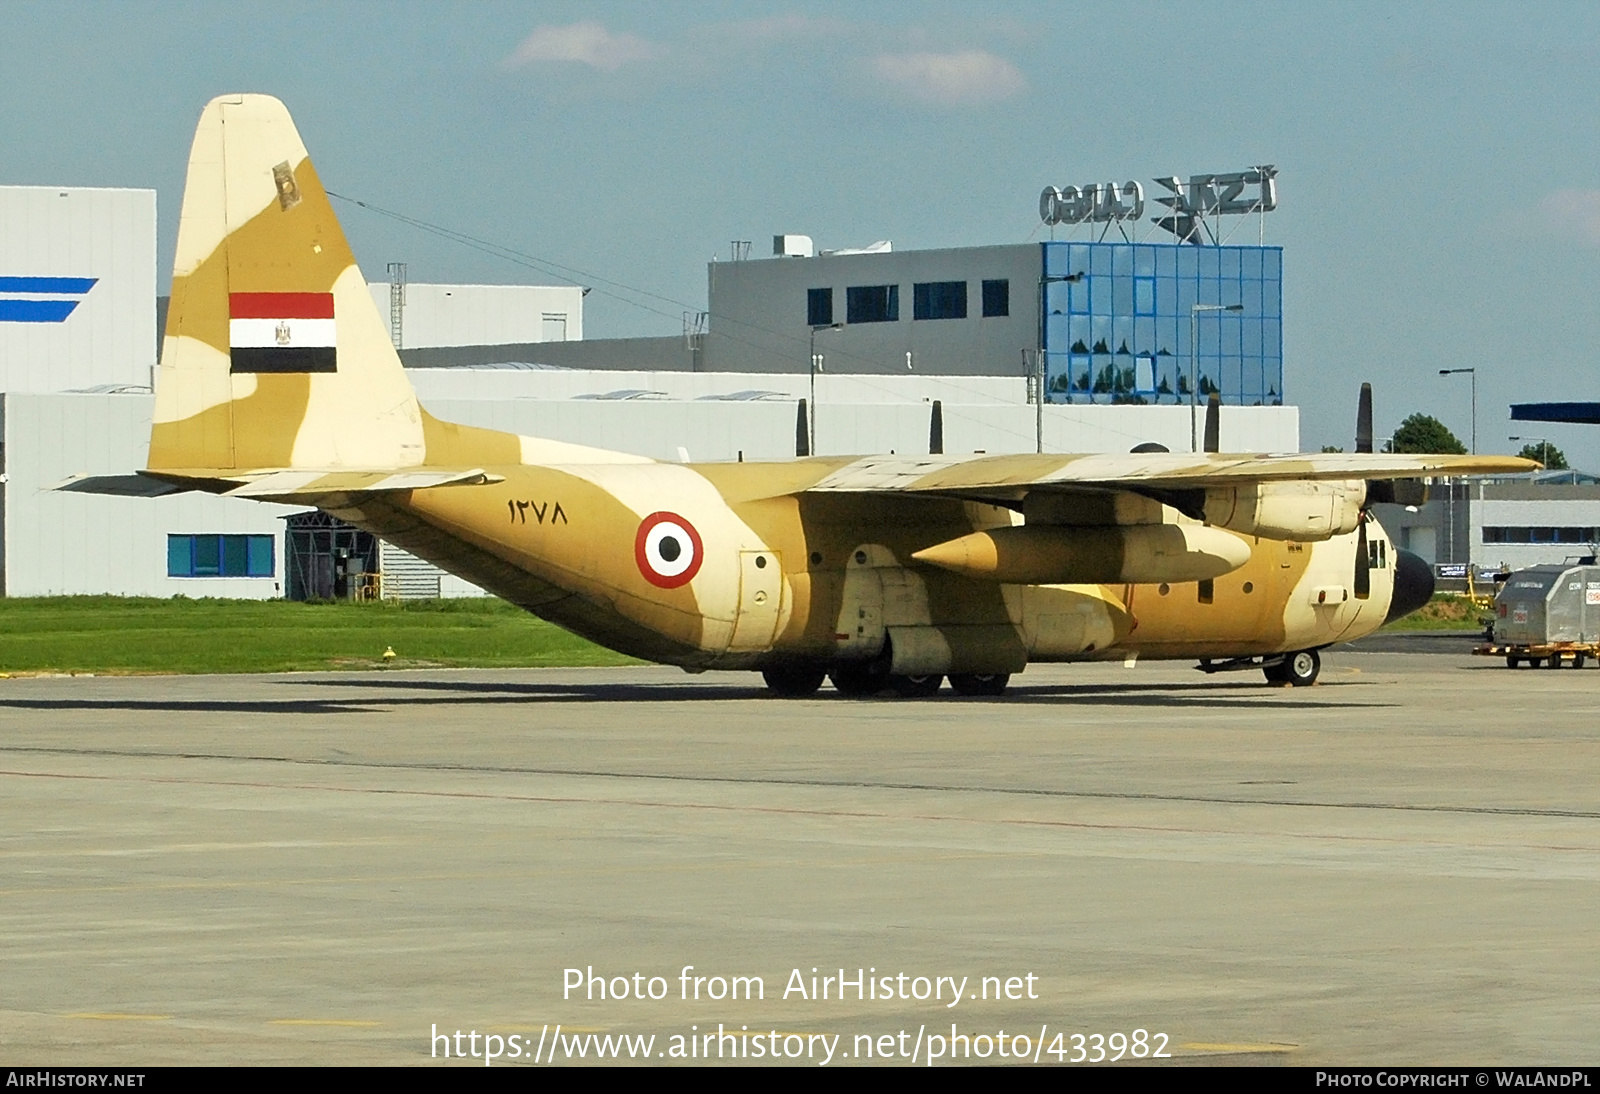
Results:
668 550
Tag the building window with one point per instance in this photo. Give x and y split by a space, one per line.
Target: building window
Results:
872 304
939 300
1547 534
219 556
996 298
819 307
1144 296
1114 300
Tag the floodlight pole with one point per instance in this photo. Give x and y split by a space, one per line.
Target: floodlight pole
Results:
811 409
1194 313
1474 374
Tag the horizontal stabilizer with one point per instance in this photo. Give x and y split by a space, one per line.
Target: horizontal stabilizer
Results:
309 484
120 486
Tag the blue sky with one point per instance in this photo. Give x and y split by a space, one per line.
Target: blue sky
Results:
1439 164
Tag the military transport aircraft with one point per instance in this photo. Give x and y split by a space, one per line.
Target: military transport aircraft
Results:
278 382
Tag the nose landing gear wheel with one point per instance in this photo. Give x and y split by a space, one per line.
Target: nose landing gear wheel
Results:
793 682
1299 669
916 687
980 683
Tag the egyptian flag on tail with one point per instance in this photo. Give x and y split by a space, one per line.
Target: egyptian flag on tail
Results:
282 332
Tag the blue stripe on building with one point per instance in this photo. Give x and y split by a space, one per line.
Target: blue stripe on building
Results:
35 311
64 286
1580 413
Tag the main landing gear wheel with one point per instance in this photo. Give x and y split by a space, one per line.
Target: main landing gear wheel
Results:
980 683
856 681
1299 669
916 687
793 682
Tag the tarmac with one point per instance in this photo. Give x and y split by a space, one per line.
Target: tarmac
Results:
1400 865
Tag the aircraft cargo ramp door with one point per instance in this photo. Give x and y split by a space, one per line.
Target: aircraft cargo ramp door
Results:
328 559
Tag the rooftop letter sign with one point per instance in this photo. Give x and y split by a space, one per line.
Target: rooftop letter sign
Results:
1228 194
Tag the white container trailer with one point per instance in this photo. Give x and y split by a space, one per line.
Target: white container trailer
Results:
1548 615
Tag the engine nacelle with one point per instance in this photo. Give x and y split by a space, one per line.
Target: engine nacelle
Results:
1053 555
1296 510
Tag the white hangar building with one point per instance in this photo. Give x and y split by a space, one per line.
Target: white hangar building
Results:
77 354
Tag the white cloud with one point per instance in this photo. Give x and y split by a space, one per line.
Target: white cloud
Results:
584 43
1573 211
970 76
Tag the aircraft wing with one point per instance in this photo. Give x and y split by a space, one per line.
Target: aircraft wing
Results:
1005 479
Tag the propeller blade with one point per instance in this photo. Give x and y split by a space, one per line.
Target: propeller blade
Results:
1364 420
1397 492
936 430
802 432
1363 579
1214 423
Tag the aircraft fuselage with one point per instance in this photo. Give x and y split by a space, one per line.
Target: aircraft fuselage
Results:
758 577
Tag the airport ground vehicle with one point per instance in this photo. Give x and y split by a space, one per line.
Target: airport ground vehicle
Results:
1548 615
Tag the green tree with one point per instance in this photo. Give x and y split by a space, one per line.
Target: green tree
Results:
1424 433
1546 453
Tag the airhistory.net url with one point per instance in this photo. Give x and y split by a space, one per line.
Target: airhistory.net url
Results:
821 1049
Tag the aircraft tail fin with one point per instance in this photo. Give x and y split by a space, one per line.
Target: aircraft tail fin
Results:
275 355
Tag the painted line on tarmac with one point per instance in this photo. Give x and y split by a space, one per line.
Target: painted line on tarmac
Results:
832 784
95 1017
1024 822
190 848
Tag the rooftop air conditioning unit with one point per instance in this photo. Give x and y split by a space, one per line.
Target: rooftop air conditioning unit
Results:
792 247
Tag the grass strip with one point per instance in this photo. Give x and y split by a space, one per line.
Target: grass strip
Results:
1445 612
133 635
115 635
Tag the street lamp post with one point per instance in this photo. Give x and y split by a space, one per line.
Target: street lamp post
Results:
1194 314
1039 360
1544 448
811 411
1474 374
1039 400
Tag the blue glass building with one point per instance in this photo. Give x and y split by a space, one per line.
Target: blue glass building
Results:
1115 323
